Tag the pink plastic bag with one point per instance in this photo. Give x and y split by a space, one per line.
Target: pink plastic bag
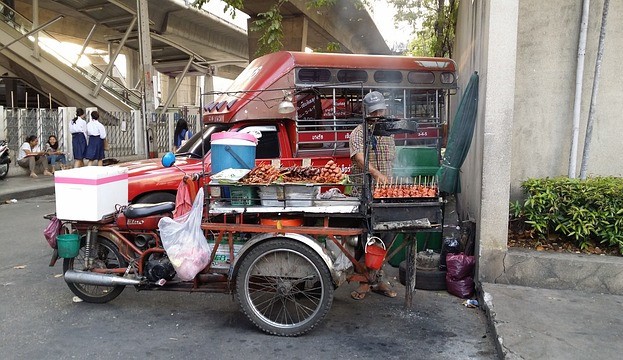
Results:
52 230
459 277
183 239
460 266
463 288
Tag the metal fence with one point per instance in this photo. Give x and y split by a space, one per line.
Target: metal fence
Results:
125 130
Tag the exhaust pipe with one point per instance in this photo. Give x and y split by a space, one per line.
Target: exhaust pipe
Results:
89 278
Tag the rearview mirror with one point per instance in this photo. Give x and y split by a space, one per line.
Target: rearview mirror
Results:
168 159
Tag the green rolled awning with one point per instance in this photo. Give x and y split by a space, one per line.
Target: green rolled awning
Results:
459 139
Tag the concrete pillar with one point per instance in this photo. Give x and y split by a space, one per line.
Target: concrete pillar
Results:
294 30
187 91
35 23
139 132
131 65
147 76
192 90
208 88
3 131
496 104
170 86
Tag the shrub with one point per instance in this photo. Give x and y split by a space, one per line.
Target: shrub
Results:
581 210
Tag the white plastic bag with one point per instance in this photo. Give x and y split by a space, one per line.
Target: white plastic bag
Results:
184 242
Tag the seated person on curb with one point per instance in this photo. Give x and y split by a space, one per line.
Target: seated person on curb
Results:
54 153
381 154
30 156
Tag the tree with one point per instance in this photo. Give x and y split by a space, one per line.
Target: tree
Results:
435 24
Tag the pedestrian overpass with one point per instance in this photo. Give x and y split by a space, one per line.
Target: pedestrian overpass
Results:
185 43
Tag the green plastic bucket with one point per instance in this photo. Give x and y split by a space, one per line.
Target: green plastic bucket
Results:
68 245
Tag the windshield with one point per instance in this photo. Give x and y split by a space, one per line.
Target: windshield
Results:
192 147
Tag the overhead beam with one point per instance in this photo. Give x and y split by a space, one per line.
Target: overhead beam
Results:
93 7
111 60
117 19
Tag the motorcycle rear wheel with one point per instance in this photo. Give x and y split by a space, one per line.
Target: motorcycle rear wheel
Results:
284 287
4 170
107 257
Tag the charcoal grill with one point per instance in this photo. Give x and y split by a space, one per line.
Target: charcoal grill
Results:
407 204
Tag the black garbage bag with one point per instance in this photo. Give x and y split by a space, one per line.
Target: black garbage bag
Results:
450 245
460 275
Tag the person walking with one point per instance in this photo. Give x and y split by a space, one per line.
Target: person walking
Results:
78 130
381 155
97 134
181 133
54 154
30 156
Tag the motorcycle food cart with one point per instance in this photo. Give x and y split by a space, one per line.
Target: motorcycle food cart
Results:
275 243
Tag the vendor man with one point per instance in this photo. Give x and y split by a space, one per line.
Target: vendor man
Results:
381 155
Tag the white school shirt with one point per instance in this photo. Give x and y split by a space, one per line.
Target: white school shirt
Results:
95 128
26 146
79 127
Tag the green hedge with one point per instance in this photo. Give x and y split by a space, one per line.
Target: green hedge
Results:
581 210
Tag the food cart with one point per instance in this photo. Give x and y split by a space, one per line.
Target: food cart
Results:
287 236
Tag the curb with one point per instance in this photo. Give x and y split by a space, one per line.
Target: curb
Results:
31 193
486 299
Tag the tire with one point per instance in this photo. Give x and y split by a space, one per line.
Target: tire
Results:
433 279
274 272
108 257
155 198
4 170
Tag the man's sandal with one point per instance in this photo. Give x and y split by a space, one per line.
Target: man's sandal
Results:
384 291
361 292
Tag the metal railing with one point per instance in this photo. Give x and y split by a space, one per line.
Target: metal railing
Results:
92 73
124 129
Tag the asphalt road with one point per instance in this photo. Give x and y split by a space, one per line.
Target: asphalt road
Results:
38 318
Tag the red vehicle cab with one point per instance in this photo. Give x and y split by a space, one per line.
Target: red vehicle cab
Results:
326 91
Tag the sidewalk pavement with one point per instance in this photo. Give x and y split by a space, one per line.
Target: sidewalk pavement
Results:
528 322
534 323
19 186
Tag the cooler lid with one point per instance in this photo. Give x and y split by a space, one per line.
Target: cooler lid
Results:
228 135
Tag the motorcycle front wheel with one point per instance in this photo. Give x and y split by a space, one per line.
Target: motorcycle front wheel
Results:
4 170
107 256
284 287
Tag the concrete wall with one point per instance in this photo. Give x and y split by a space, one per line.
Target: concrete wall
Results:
526 55
487 43
547 46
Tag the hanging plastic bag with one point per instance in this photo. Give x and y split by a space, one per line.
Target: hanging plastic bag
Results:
184 241
52 230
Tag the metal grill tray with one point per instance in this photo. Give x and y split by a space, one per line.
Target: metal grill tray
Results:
414 200
405 211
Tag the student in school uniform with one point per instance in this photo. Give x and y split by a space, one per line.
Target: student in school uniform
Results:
97 134
78 130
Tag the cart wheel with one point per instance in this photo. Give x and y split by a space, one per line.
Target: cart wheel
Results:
284 287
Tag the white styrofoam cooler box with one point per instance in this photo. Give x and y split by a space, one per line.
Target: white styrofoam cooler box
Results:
90 193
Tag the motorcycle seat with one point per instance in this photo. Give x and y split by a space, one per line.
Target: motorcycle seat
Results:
142 210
